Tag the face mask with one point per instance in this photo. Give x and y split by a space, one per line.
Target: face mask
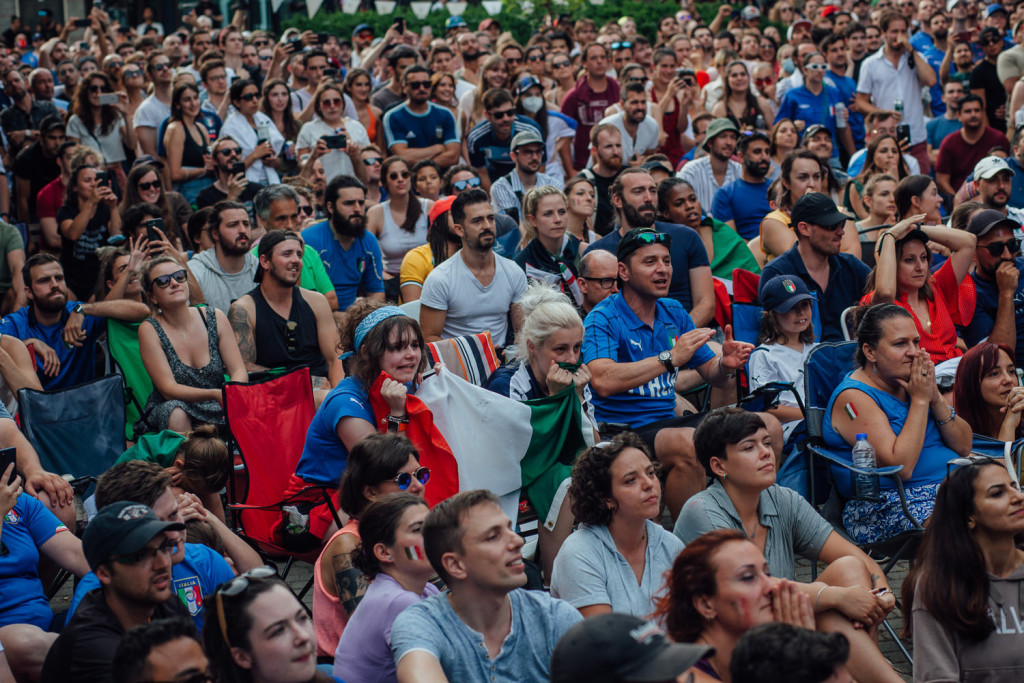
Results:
788 66
532 104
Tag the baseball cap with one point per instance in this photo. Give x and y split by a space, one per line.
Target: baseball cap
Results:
524 83
814 130
950 4
620 647
637 238
989 167
122 528
792 27
362 27
783 292
454 22
828 10
528 136
750 13
717 127
817 208
985 221
993 8
51 122
266 247
440 206
148 160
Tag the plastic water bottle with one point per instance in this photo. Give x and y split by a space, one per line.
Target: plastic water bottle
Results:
760 123
898 107
864 486
841 115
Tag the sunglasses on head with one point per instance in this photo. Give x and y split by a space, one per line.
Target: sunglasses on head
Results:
236 587
975 459
996 248
164 281
404 479
461 185
149 186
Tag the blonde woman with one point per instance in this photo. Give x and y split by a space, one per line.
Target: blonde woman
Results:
548 252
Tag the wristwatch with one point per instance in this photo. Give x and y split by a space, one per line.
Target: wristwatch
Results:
666 359
77 308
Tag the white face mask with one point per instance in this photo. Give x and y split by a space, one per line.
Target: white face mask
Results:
533 104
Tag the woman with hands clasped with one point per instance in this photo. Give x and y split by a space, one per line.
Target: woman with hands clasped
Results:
987 393
902 275
893 399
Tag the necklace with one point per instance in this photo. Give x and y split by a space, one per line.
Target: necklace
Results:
752 534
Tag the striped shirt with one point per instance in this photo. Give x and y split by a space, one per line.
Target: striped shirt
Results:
700 176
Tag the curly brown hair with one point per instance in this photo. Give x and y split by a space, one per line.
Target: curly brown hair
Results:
365 365
591 488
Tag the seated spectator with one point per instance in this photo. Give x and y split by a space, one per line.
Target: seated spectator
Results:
162 650
379 465
892 397
705 603
12 259
527 151
801 173
254 132
426 179
104 127
186 350
883 157
903 276
850 596
351 255
281 325
598 279
606 164
62 333
582 201
556 129
51 197
708 174
475 290
471 544
726 250
639 129
879 197
962 149
30 532
226 272
265 633
619 648
615 492
399 223
145 185
967 576
329 105
442 244
739 103
129 549
393 560
187 142
919 194
986 392
548 253
417 128
779 653
88 217
489 143
743 202
231 183
838 279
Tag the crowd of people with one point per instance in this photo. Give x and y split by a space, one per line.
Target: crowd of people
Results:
220 204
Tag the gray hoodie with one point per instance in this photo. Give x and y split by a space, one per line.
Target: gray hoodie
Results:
221 288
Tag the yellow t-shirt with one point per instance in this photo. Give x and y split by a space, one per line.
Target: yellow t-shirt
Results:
416 265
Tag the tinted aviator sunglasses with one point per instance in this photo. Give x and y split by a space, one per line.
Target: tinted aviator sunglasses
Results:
461 185
164 281
404 479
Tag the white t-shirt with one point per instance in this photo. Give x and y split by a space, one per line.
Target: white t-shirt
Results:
779 363
336 162
151 113
471 307
110 145
646 136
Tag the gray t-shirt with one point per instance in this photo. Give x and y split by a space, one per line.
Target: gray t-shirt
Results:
151 113
794 527
538 622
471 307
589 570
220 288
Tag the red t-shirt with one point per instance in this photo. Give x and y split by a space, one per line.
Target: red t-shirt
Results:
50 198
957 158
587 107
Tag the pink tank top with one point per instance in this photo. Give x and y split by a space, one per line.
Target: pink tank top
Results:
329 618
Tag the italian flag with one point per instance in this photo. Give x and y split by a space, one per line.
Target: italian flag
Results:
472 438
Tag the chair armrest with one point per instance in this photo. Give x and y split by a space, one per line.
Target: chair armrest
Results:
322 488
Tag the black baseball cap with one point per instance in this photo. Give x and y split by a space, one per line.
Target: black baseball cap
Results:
267 244
122 528
638 238
610 648
817 208
985 221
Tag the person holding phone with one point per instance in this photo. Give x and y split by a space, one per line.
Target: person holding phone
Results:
231 182
255 132
89 216
186 141
332 137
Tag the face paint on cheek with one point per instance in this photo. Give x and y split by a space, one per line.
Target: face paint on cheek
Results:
745 610
415 552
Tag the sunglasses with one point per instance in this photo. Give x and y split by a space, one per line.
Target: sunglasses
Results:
561 65
164 281
762 81
249 97
149 186
404 479
624 45
461 185
404 175
131 73
291 336
372 161
418 85
162 66
978 459
307 210
990 41
230 151
147 554
504 114
636 79
236 587
602 282
648 237
98 88
331 103
266 58
996 248
816 67
514 60
535 58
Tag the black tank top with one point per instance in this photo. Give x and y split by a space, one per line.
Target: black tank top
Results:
274 339
192 152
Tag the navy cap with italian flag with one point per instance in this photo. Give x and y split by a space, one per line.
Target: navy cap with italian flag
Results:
783 292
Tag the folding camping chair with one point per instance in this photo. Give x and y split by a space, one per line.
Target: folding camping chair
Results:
267 422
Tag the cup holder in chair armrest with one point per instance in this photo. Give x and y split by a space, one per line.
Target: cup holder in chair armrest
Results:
609 429
834 459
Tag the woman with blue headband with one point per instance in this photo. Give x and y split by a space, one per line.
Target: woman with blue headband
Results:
381 339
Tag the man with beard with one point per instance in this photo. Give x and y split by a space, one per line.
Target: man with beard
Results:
994 179
836 56
508 191
469 54
709 173
960 151
281 325
226 272
743 203
995 283
351 254
22 119
130 550
36 166
228 185
836 278
634 195
418 129
985 82
64 334
489 143
639 130
606 155
474 290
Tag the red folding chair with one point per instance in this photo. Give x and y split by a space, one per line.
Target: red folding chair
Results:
268 421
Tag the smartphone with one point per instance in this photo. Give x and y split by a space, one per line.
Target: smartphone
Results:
108 98
332 73
962 37
427 32
102 177
238 168
688 76
295 44
151 225
8 456
400 25
322 38
82 23
336 141
903 133
262 133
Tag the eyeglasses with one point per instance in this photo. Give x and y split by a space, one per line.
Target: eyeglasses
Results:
624 45
404 175
164 281
404 479
98 88
461 185
235 587
145 187
147 554
816 67
307 210
372 161
979 459
418 85
249 97
503 114
602 282
291 336
995 249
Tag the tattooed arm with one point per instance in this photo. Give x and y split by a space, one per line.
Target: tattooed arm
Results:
242 316
349 582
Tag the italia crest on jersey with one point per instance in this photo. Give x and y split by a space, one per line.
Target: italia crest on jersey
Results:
12 517
190 594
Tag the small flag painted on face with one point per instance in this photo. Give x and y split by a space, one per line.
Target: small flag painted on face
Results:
850 411
415 552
